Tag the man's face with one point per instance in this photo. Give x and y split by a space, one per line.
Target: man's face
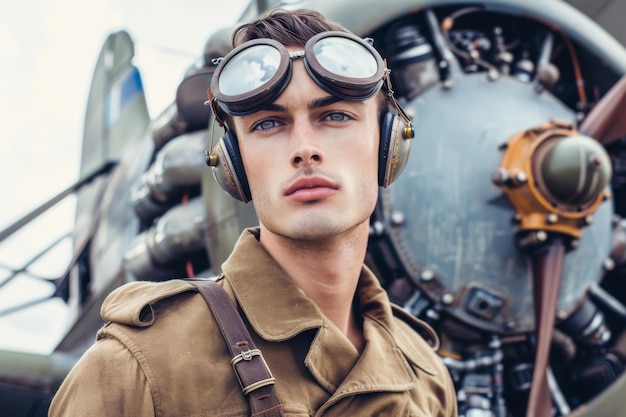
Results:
311 160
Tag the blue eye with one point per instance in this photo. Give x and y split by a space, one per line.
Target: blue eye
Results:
266 125
337 117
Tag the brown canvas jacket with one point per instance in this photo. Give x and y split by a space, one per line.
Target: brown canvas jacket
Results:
161 354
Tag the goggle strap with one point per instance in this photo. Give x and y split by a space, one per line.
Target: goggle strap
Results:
401 111
211 158
390 93
212 101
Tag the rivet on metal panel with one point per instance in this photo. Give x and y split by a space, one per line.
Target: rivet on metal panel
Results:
520 178
377 228
447 298
608 264
427 275
510 324
587 220
397 218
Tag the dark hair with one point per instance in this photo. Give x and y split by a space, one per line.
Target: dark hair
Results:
290 28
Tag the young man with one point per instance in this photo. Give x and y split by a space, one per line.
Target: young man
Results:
303 146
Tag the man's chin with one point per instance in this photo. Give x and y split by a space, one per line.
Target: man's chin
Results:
313 228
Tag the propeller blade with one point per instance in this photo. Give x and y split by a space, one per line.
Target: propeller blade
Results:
607 120
547 269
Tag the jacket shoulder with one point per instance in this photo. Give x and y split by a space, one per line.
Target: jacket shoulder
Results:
419 326
132 303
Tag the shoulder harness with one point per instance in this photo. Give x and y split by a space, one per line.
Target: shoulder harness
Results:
255 378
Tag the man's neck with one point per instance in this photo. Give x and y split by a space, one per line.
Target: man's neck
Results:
326 271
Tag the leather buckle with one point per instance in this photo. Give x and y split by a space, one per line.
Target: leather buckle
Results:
248 356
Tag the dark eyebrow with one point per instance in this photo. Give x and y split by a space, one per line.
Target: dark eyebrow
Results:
315 104
323 102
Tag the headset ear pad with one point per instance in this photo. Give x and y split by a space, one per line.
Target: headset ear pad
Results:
229 172
394 149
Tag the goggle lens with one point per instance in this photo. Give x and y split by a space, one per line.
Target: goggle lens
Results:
254 74
344 57
249 70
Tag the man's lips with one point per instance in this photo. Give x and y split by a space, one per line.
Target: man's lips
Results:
311 188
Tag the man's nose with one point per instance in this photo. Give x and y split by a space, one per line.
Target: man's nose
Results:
306 145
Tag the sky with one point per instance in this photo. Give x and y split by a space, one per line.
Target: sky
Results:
48 50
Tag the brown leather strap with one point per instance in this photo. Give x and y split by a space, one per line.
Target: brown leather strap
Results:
255 378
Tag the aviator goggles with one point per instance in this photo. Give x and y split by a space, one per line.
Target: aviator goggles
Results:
253 75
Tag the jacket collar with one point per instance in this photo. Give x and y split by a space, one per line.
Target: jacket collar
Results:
274 306
278 310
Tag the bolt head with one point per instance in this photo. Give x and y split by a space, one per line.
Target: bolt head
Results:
447 298
552 218
493 74
541 235
521 177
500 177
510 324
427 275
397 218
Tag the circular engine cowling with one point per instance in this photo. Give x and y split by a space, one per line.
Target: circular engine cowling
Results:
453 231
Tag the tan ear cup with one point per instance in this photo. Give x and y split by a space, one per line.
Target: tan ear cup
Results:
395 146
228 170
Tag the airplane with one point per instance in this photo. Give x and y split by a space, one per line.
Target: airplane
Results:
505 232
